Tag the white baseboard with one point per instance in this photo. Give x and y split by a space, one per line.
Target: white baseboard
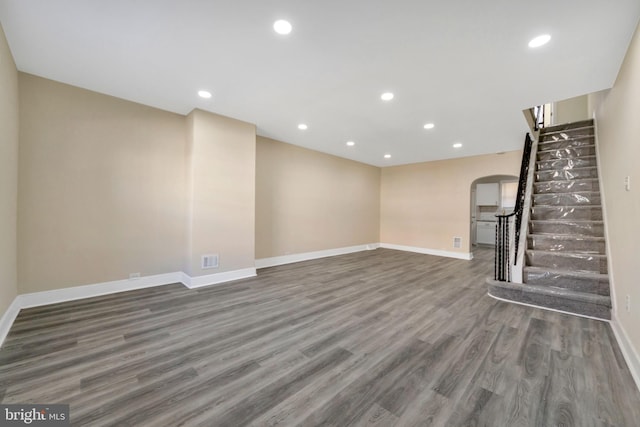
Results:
8 318
37 299
213 279
87 291
459 255
306 256
628 350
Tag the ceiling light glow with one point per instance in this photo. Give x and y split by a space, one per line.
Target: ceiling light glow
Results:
387 96
387 156
540 41
282 27
457 145
204 94
429 126
351 143
302 126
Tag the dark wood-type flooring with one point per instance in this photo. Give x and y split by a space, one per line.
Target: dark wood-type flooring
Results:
379 337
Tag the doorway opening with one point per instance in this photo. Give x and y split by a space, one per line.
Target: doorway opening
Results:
489 195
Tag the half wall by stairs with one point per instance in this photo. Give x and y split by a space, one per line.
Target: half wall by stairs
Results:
565 264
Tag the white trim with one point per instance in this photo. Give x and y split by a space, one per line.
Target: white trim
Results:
87 291
546 308
8 318
217 278
37 299
517 265
306 256
459 255
628 350
605 220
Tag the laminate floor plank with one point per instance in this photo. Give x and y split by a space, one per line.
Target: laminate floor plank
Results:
400 395
372 353
429 409
479 407
380 337
350 404
376 416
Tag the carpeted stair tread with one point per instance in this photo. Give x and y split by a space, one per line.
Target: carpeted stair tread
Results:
581 281
564 212
571 261
571 273
581 124
567 174
551 150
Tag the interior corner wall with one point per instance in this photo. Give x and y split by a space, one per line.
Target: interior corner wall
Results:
308 201
618 140
426 205
101 190
571 110
221 182
8 175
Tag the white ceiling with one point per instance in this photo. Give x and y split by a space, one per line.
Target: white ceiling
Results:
464 64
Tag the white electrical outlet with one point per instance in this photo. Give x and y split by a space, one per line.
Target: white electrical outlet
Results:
627 183
628 302
134 276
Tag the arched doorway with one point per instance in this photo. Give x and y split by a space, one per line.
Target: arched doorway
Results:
489 195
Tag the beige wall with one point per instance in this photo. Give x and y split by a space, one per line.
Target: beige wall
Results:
571 110
8 175
101 187
309 201
619 148
426 205
221 218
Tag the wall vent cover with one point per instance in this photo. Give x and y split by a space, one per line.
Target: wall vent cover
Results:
457 242
209 261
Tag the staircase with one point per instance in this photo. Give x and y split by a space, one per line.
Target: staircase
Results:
565 261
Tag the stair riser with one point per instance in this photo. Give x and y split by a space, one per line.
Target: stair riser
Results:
587 213
567 135
565 186
564 126
589 263
567 153
584 229
548 243
567 199
558 145
581 284
554 302
557 175
557 164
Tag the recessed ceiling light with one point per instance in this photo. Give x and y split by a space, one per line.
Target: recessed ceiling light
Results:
282 27
540 40
387 96
302 126
457 145
204 94
429 126
351 143
387 156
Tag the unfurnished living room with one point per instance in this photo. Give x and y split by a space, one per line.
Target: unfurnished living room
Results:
408 213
